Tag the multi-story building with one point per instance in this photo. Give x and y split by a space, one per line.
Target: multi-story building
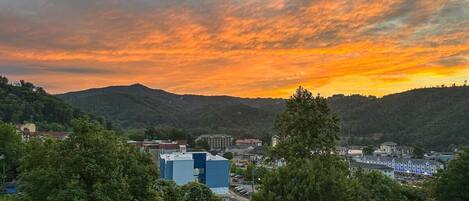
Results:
217 142
202 167
368 167
404 165
249 142
157 147
405 151
388 148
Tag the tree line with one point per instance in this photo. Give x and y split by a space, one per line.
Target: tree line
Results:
308 132
92 164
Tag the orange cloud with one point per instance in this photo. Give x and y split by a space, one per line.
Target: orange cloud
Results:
244 48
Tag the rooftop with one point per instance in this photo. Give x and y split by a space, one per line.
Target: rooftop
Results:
189 156
400 160
214 135
370 166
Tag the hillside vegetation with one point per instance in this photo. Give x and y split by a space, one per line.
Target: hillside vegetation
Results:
138 107
433 117
23 102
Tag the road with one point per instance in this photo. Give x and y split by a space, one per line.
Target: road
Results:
238 197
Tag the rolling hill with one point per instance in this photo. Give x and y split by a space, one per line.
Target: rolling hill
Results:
23 102
434 117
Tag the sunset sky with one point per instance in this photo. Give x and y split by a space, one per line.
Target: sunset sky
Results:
249 48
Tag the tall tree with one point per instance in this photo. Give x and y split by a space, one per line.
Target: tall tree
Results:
418 152
306 128
168 190
93 164
11 150
453 184
368 150
374 186
317 179
198 192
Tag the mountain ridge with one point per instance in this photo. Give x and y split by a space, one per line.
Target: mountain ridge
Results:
409 117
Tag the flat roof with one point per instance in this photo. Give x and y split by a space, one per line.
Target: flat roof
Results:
189 156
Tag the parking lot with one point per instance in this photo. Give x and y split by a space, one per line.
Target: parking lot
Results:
241 187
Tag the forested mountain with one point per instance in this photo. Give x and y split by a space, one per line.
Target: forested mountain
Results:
138 107
434 117
23 102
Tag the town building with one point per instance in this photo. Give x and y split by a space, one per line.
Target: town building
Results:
217 142
368 167
28 131
404 165
440 156
388 148
27 127
353 151
274 140
342 151
158 147
211 170
349 151
249 142
405 151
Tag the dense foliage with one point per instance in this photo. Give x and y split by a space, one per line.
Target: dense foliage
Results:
24 102
11 149
310 179
92 164
137 107
169 191
453 184
307 136
374 186
435 117
306 129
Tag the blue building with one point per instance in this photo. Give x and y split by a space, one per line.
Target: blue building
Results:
202 167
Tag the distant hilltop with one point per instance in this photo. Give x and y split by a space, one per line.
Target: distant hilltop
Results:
434 117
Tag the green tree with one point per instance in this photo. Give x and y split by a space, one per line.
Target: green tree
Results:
418 152
202 144
11 147
368 150
228 155
453 184
92 164
198 192
3 80
320 179
168 190
253 171
306 128
374 186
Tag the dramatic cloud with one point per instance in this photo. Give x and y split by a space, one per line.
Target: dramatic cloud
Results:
243 48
